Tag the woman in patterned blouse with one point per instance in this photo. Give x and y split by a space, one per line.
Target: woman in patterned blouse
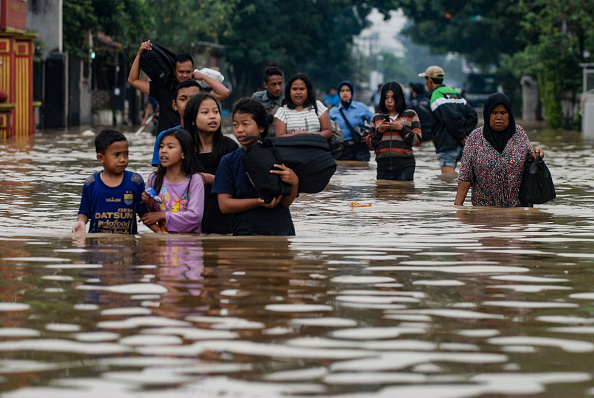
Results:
494 157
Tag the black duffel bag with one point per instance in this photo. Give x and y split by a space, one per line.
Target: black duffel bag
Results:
537 183
308 155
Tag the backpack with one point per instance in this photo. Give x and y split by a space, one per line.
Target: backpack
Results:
308 155
159 65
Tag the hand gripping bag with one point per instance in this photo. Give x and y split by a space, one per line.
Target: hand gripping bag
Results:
308 155
537 183
159 65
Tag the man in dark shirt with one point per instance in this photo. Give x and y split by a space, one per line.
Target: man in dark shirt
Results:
420 103
184 70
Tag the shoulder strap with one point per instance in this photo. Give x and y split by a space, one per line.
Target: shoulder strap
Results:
346 120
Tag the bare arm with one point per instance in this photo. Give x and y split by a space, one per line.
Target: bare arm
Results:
147 113
219 91
325 126
80 224
134 76
228 204
463 188
280 127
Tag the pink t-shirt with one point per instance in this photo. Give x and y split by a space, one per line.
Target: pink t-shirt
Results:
183 203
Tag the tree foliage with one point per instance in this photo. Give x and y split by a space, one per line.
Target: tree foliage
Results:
559 38
309 36
79 15
183 24
481 30
125 21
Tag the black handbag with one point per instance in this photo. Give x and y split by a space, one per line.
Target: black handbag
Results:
537 183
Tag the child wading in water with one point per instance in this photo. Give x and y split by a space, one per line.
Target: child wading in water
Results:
180 191
202 119
237 195
111 198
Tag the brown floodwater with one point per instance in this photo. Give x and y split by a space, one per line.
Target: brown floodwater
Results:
409 297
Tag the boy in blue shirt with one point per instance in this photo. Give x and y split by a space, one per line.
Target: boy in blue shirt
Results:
112 197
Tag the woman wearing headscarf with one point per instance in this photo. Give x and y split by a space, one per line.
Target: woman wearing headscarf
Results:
349 114
494 157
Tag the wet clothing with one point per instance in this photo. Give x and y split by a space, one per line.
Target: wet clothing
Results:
215 222
495 177
393 149
183 203
452 118
168 117
113 209
232 179
307 119
358 114
422 105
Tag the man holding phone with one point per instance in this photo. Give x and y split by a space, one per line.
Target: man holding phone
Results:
353 118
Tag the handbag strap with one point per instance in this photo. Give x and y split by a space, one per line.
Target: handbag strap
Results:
346 121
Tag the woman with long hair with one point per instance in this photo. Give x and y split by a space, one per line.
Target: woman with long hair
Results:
394 131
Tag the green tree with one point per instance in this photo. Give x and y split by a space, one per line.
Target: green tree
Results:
559 38
185 24
79 16
481 30
125 21
309 36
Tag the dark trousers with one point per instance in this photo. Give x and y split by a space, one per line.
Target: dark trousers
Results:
405 174
352 151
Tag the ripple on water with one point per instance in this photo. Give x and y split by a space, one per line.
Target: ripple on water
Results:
375 333
133 288
352 279
463 269
36 259
298 308
57 345
564 344
18 332
324 322
528 304
14 307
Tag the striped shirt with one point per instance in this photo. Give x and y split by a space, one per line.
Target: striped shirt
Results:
306 120
393 149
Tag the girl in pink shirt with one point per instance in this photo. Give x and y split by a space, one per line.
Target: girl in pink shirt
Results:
179 203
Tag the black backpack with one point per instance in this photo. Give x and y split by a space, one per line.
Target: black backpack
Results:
308 155
159 65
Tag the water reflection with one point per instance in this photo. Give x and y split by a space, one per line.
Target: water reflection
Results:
410 296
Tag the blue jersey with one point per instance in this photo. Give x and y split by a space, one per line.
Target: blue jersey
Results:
113 209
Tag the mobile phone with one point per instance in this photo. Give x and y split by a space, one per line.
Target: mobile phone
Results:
386 117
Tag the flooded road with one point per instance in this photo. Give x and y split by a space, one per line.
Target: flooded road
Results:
409 297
